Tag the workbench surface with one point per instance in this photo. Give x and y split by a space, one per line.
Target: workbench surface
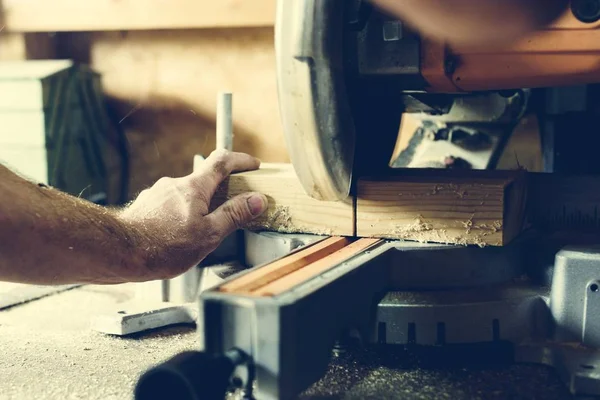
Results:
48 352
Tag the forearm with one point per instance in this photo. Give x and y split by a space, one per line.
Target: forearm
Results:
48 237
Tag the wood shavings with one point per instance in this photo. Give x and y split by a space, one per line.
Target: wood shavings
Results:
419 225
468 224
412 231
495 226
438 189
277 219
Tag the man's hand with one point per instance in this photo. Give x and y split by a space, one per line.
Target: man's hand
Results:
173 220
49 237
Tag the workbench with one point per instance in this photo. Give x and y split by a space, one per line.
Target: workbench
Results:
49 352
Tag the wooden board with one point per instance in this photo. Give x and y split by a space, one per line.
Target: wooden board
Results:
290 209
469 207
463 207
300 275
105 15
278 269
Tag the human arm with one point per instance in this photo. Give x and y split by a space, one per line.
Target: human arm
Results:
48 237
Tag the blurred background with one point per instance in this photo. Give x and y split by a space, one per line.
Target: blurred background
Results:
136 98
158 76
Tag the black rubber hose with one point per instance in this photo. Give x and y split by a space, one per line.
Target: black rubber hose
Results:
187 376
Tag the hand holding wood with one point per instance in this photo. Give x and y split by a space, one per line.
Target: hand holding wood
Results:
174 220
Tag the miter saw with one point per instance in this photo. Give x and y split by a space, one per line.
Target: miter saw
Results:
346 75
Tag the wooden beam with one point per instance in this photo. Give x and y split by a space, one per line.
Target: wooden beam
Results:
442 206
278 269
110 15
289 281
290 209
468 207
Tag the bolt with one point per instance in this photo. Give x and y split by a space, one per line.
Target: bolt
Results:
392 31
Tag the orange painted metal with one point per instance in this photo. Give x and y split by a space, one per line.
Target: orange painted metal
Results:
565 53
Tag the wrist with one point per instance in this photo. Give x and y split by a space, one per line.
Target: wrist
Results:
138 247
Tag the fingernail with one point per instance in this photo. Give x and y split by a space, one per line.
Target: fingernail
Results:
257 203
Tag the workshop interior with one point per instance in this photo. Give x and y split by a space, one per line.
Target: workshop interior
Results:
433 227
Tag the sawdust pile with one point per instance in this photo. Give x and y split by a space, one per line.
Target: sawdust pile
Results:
277 219
420 230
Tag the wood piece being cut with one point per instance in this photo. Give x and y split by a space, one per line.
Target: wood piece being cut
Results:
303 274
290 210
260 277
460 207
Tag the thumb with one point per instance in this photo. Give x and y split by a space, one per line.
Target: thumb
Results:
237 212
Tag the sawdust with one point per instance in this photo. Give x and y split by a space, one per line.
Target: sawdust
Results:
452 188
420 230
468 224
320 232
49 352
277 219
280 218
417 226
494 227
46 358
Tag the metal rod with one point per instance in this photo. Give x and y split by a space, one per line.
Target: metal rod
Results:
224 121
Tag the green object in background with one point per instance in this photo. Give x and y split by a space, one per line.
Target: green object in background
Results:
53 125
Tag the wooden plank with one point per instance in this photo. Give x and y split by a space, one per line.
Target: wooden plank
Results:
316 268
271 272
110 15
463 207
474 207
290 209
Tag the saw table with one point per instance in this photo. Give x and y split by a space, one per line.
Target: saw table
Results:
272 328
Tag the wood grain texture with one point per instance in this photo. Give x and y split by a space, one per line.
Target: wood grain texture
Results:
287 265
110 15
477 207
316 268
290 209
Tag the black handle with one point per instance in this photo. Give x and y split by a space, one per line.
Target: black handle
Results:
188 376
